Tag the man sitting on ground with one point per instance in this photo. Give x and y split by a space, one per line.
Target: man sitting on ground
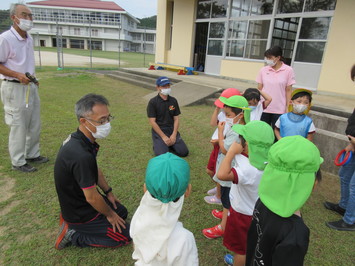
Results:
163 113
88 218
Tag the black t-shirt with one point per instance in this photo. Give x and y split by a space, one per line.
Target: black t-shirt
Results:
163 110
76 169
274 240
350 129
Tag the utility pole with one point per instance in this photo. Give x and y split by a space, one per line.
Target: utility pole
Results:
119 45
90 43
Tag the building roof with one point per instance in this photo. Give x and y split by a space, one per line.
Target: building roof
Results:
86 4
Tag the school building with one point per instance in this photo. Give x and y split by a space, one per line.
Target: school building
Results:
78 22
228 38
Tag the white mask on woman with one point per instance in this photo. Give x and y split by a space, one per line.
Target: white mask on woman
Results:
270 62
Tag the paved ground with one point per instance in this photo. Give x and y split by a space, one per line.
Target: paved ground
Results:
50 59
338 103
342 104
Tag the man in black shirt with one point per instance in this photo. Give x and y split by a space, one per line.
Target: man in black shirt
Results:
88 218
163 113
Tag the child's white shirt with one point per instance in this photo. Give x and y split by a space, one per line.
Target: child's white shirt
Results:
220 118
244 194
257 112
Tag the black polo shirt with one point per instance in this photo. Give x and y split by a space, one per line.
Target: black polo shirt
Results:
163 110
76 169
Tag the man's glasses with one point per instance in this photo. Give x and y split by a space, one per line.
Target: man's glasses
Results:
102 121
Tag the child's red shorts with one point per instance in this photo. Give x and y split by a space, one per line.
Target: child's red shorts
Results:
213 158
235 234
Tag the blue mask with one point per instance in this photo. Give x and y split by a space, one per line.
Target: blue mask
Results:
252 108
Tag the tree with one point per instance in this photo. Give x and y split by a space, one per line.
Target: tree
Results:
149 23
5 21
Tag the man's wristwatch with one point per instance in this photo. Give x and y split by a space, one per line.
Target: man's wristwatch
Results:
108 191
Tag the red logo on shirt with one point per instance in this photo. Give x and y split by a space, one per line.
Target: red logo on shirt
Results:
171 108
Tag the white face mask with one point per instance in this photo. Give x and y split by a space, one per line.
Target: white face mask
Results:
166 91
270 62
230 121
25 24
102 131
299 108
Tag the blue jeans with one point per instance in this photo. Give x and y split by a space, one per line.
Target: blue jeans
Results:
347 190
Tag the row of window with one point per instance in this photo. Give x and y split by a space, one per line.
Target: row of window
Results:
241 8
72 16
248 35
248 39
95 33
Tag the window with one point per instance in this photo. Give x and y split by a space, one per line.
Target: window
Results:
76 31
248 38
78 44
96 45
212 9
319 5
290 6
149 37
95 32
312 39
284 35
216 36
242 8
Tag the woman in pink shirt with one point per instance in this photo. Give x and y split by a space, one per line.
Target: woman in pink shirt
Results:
276 79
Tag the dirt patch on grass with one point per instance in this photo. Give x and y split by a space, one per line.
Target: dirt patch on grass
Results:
6 192
6 186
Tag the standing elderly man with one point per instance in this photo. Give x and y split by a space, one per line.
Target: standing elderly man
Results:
163 113
88 218
18 94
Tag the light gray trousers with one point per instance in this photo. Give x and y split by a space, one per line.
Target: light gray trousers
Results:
22 115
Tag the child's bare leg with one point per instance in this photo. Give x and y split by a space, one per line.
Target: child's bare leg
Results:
239 260
209 172
224 219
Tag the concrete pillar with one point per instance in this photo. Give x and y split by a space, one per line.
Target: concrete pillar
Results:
161 35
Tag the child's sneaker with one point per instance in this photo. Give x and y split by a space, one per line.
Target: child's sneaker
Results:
228 259
213 232
212 200
217 214
212 191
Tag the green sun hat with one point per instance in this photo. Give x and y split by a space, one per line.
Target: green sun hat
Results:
260 138
238 102
167 177
289 176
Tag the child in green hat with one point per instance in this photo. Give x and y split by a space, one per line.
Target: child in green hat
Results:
237 112
277 234
244 165
158 236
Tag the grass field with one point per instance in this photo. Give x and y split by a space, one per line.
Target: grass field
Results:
130 59
28 203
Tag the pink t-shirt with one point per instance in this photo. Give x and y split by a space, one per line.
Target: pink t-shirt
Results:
274 84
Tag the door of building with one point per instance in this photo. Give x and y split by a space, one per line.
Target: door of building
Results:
215 47
201 38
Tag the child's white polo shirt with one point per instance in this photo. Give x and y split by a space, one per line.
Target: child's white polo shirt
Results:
244 190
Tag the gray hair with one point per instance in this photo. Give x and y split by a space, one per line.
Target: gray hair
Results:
84 106
14 6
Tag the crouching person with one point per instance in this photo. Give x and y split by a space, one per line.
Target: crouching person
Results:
158 236
88 218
